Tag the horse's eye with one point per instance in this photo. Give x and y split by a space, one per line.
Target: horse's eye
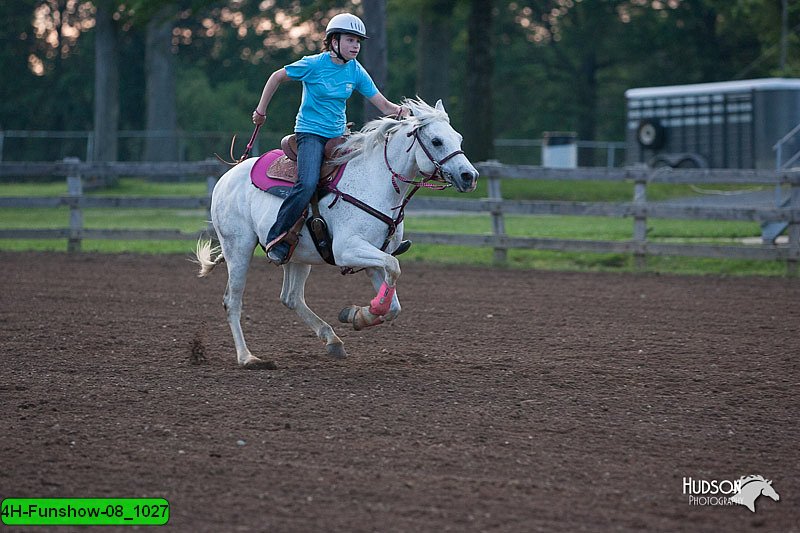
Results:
436 141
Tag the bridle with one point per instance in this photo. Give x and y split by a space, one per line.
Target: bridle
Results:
426 182
436 175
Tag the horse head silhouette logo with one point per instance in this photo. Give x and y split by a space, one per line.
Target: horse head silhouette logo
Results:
751 488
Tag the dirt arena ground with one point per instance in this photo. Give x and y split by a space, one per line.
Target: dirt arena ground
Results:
499 401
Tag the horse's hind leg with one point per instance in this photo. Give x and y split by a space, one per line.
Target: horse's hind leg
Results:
238 251
293 297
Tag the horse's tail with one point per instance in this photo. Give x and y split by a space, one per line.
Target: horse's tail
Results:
205 257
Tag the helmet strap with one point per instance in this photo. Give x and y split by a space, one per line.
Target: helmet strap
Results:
338 38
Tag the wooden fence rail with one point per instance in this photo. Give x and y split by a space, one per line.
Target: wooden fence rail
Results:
638 209
74 170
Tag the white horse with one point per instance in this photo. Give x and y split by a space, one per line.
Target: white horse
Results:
383 162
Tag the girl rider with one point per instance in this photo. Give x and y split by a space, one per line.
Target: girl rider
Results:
329 79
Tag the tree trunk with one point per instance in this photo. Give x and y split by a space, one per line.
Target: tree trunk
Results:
433 50
161 143
587 105
374 55
478 130
106 86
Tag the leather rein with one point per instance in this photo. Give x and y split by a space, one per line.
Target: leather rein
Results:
436 176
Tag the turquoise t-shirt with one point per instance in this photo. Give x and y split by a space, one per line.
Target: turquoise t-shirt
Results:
326 88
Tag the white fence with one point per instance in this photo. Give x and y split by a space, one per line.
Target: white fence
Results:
638 209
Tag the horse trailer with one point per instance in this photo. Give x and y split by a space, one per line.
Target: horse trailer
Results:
734 124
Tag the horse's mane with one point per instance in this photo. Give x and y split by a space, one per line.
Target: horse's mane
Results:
744 480
374 132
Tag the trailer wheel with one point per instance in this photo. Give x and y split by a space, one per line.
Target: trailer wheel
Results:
682 160
651 134
688 163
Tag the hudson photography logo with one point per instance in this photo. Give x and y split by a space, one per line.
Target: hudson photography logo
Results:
743 491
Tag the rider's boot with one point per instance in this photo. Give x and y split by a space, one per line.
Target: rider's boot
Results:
280 250
279 253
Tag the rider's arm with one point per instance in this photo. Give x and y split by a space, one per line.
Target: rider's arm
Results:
277 77
386 107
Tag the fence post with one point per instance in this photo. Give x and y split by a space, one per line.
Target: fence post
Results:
90 146
498 222
640 222
794 229
75 193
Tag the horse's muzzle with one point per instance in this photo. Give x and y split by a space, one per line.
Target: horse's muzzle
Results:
468 181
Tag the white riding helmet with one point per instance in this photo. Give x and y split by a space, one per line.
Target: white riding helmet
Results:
346 23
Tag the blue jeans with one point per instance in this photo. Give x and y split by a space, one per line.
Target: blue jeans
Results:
310 152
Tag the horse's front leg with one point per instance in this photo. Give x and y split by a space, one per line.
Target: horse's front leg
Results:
378 277
364 255
293 297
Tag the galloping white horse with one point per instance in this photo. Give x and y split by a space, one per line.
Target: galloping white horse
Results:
383 162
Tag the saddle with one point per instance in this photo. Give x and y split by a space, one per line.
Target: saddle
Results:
275 172
283 166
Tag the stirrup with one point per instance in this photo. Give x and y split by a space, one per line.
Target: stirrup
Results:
269 248
272 257
402 248
292 236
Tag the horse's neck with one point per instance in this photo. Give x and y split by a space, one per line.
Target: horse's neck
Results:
380 191
753 487
750 489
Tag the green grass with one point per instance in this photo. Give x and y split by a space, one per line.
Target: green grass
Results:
580 262
578 191
123 187
181 219
558 227
34 189
588 228
139 187
100 246
592 228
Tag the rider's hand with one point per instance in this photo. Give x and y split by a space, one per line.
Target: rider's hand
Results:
258 118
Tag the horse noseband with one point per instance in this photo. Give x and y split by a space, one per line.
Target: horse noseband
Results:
436 164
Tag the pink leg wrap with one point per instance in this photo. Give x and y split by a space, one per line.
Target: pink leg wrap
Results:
381 303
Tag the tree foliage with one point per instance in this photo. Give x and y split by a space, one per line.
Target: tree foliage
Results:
552 64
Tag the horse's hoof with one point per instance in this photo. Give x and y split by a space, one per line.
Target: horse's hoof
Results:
254 363
359 317
402 248
336 350
348 314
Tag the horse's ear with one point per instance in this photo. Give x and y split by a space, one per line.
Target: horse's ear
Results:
439 105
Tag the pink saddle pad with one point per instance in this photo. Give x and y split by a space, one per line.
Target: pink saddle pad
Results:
267 174
259 176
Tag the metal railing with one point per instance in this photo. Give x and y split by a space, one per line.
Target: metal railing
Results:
608 154
779 149
41 145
